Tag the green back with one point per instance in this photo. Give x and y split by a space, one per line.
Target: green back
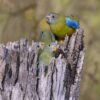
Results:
60 29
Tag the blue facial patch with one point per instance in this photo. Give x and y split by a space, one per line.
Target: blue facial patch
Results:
72 23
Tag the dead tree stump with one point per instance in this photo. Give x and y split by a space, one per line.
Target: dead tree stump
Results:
21 78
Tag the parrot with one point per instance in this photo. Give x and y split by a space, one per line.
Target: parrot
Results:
45 57
46 52
61 25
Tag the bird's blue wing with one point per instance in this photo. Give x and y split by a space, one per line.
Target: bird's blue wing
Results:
72 23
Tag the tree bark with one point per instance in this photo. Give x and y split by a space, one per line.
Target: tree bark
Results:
22 78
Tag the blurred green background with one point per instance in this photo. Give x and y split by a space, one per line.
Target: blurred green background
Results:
20 18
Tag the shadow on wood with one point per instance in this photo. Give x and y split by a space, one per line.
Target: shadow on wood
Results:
22 78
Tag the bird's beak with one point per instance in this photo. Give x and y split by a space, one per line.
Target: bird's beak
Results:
48 19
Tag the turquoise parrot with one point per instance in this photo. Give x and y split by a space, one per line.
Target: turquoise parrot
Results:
61 25
46 51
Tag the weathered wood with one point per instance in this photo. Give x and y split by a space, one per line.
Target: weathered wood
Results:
23 78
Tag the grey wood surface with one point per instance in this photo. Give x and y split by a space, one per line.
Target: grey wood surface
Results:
23 78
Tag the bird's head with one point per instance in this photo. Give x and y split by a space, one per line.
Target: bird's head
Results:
51 17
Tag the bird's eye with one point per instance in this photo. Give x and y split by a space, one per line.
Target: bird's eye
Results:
42 32
53 16
49 45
